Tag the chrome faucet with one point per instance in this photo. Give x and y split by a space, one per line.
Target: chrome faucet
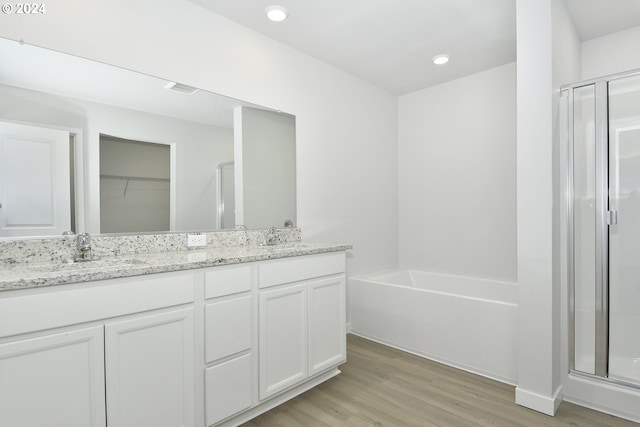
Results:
83 248
271 237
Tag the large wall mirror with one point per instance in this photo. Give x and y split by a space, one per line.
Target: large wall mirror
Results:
88 147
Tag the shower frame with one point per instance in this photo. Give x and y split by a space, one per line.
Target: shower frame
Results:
603 218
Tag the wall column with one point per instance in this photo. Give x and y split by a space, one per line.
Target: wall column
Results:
539 385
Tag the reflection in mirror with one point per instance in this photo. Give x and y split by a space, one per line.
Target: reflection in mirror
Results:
226 195
135 182
264 159
49 187
35 180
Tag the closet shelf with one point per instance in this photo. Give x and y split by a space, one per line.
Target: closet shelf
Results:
137 178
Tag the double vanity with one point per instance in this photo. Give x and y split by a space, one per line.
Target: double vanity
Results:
154 333
152 330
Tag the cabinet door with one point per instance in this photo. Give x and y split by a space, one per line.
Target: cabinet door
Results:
283 338
228 388
327 319
55 380
150 370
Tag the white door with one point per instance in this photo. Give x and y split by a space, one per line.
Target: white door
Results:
327 323
34 181
150 370
283 338
55 380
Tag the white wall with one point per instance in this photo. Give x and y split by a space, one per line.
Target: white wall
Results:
457 176
346 128
611 54
265 157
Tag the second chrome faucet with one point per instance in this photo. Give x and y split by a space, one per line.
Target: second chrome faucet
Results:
83 248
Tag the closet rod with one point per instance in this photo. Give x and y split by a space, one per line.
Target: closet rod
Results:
138 178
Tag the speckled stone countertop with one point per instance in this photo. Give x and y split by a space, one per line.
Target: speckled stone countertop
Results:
119 260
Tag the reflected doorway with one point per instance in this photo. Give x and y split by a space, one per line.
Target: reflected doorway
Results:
135 186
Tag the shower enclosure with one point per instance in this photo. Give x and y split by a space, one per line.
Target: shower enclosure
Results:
604 227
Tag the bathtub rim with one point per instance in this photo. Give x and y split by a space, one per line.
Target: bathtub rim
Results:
375 277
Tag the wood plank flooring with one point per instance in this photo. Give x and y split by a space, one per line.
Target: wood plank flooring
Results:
382 386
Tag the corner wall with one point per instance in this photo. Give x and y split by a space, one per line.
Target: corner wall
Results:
548 56
539 385
457 176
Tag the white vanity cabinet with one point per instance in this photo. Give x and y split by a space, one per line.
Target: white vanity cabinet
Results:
229 330
302 320
201 347
114 353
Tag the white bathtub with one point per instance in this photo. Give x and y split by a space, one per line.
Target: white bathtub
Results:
462 321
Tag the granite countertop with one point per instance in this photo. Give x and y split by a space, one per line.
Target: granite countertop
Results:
55 272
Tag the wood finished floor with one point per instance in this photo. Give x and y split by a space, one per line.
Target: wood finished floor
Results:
382 386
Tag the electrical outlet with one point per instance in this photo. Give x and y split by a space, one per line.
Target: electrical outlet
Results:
196 240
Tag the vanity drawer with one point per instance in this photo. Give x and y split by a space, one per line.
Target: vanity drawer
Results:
227 327
277 272
228 388
223 281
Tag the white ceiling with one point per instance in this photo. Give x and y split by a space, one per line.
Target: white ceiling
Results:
390 43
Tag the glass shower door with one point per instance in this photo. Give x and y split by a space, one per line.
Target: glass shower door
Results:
604 172
624 231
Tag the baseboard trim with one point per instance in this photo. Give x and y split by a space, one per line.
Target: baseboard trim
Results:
544 404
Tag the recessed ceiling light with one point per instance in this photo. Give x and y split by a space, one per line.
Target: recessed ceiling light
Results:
276 13
441 59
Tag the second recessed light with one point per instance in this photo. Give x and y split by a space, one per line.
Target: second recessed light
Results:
276 13
441 59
